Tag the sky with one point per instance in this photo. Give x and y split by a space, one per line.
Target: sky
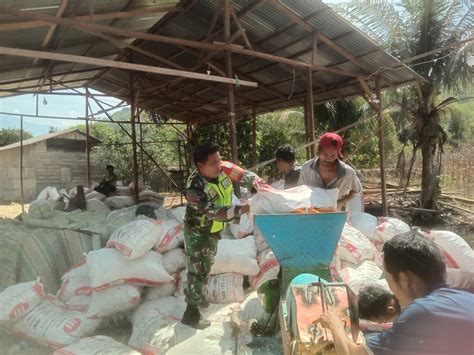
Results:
55 105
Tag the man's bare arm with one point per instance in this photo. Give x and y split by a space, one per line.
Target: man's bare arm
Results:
343 345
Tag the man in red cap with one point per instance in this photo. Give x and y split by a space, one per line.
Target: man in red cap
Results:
329 172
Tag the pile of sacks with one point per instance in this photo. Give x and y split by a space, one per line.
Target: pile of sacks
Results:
358 261
140 275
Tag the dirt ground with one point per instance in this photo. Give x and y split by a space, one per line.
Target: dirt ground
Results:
12 210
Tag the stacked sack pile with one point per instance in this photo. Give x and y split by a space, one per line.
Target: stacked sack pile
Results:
139 275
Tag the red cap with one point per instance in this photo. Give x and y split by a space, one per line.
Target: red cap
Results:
332 140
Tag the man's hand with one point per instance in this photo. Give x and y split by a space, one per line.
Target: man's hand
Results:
331 320
245 209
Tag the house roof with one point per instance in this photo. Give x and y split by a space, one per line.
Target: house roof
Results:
345 62
45 137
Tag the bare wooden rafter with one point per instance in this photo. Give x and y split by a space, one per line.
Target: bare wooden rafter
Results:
119 65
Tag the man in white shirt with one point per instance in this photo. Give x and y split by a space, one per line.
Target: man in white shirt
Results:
328 172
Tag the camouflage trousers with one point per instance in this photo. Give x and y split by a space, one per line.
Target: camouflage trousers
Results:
200 252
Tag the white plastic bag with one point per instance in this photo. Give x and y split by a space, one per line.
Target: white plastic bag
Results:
117 202
174 260
269 269
238 256
113 300
136 238
93 195
98 344
367 270
216 339
108 268
17 300
164 290
178 213
251 308
153 324
456 252
43 209
152 335
244 228
172 236
260 241
389 227
225 288
354 247
75 282
96 205
364 222
170 308
48 193
269 200
116 219
53 325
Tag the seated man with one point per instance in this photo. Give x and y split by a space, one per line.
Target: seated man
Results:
78 201
286 164
329 172
109 181
434 318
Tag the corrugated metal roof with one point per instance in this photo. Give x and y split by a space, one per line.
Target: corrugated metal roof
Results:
268 28
45 137
65 40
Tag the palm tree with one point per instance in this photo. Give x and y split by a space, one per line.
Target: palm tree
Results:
412 28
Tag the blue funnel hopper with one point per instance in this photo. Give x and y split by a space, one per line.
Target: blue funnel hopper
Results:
302 243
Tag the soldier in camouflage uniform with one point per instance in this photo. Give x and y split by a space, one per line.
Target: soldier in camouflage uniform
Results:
209 197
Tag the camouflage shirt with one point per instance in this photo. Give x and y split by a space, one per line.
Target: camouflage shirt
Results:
201 210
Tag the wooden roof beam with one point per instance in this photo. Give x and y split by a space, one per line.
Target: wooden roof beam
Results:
157 38
119 65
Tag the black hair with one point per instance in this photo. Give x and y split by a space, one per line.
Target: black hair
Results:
202 151
412 252
373 301
286 153
109 167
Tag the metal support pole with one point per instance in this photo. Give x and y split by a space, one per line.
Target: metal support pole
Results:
21 166
381 149
310 105
134 135
254 137
88 160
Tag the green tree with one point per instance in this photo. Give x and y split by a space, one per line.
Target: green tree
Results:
407 29
12 135
159 140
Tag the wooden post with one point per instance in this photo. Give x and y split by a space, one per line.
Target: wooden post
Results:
230 91
230 87
21 165
310 108
141 144
381 149
254 137
306 129
88 161
134 135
